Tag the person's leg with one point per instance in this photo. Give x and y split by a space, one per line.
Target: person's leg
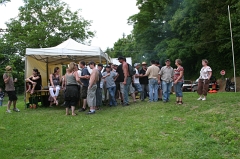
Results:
176 93
84 97
91 99
14 104
110 90
205 88
67 111
9 105
33 87
150 85
114 97
1 102
57 91
200 89
169 88
155 86
132 92
142 93
73 110
164 89
126 91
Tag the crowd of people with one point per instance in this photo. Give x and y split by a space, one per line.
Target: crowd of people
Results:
112 82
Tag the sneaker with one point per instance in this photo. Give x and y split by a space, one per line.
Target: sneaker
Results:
8 111
82 110
200 98
89 113
164 101
16 110
204 98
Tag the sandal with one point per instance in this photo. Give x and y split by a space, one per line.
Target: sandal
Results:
74 114
177 102
180 102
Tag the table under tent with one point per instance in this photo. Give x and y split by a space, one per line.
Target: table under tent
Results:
46 59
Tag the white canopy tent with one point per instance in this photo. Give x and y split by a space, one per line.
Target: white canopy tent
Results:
45 59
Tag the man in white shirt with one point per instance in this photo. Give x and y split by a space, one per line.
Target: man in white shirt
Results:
137 85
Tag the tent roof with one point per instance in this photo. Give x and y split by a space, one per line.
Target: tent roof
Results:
68 51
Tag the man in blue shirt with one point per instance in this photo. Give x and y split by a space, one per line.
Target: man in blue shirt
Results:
85 80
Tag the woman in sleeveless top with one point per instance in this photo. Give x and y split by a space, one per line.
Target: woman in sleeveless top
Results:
71 94
55 80
34 82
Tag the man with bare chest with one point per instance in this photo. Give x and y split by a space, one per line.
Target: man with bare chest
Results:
91 93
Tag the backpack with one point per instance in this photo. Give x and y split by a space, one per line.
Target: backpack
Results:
131 70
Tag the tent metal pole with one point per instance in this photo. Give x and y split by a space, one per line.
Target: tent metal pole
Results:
47 70
25 76
234 69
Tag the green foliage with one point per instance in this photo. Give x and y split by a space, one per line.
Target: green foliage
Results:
41 24
187 29
197 129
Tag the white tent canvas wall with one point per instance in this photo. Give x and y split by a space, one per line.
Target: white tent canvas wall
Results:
46 59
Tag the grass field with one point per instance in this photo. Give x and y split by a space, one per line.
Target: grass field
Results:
198 129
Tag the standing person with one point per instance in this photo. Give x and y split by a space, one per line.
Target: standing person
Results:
110 77
1 96
143 81
99 87
166 75
34 81
138 87
204 79
126 80
119 80
85 80
154 80
71 94
10 89
178 81
55 80
91 93
160 85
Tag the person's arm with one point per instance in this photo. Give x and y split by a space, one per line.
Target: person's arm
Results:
6 78
85 74
105 76
125 71
92 78
181 75
116 76
147 73
77 78
51 81
63 80
209 75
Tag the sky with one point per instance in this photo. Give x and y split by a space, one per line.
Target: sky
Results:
109 17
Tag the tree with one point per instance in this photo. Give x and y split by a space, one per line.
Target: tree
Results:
42 24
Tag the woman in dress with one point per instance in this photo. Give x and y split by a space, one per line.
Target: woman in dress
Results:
178 81
55 80
72 93
204 79
34 82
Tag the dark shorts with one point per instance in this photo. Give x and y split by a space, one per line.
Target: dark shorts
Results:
71 95
12 95
84 92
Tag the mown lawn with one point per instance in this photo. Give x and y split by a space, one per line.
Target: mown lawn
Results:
197 129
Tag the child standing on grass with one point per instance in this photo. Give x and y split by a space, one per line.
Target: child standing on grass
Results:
1 96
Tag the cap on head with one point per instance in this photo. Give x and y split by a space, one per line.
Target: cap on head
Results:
8 68
144 63
136 64
108 66
167 60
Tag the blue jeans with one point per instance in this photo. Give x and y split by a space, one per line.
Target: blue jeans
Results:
112 91
166 88
1 102
126 90
178 89
153 87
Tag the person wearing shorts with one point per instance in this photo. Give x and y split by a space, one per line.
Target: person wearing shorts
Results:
10 89
85 80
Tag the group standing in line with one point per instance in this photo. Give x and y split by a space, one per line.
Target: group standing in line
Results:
154 81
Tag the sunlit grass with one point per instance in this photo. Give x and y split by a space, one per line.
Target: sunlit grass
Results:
197 129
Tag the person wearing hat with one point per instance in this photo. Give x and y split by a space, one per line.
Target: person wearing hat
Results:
166 75
99 87
110 76
124 79
10 89
154 80
138 88
143 81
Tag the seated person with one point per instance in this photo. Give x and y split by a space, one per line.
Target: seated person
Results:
34 82
55 80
